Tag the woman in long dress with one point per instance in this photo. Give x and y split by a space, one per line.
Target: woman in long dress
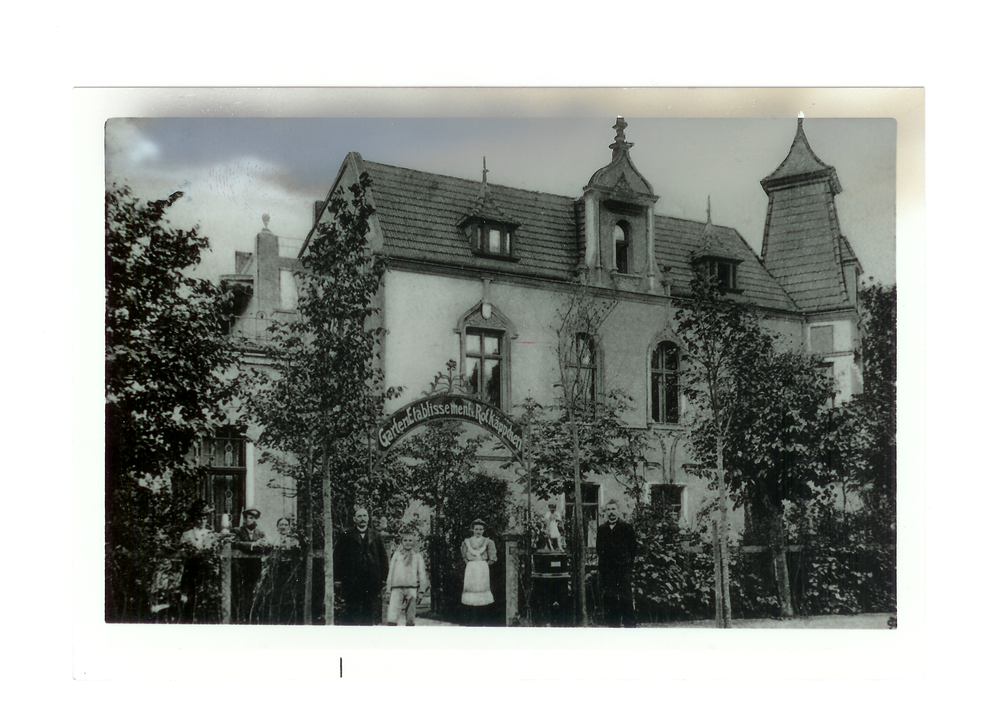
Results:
199 577
479 553
279 597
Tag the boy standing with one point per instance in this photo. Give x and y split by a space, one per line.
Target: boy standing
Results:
407 581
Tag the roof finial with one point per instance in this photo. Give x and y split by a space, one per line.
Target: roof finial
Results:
620 144
266 218
485 171
710 210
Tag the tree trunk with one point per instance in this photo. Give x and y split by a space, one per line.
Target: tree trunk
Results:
717 561
579 543
727 614
328 599
776 540
307 601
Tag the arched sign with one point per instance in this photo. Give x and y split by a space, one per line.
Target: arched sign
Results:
452 407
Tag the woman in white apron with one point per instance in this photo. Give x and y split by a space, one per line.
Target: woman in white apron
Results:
479 553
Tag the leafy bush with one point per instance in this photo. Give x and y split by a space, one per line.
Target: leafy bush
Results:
846 567
661 581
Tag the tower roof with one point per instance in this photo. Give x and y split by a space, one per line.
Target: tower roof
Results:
803 246
800 166
620 176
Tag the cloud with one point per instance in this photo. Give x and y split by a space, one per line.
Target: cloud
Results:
127 148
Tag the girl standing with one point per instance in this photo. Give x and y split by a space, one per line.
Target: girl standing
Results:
479 553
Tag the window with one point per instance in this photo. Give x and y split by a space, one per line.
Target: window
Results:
621 247
666 499
491 239
591 495
665 383
583 367
484 364
222 480
724 273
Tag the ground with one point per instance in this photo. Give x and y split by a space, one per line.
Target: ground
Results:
861 621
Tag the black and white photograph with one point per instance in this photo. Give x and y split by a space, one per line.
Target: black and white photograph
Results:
530 373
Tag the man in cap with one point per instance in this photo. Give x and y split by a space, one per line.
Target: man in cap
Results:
250 539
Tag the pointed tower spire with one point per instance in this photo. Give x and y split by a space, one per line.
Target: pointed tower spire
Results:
802 244
801 166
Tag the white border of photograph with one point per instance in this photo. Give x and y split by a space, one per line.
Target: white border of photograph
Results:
108 651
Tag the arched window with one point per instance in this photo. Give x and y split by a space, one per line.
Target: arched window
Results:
582 364
665 383
621 246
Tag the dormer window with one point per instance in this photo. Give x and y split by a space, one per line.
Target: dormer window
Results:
491 239
489 229
724 272
621 247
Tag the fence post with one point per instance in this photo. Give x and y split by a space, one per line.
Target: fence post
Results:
512 567
226 574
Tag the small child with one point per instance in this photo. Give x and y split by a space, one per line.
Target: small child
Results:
407 581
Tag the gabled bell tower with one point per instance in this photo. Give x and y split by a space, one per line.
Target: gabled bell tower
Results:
618 220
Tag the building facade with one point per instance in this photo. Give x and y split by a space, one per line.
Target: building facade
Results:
477 274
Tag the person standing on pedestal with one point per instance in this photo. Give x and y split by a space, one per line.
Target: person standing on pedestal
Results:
553 519
616 551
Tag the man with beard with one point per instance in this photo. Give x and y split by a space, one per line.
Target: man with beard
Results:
361 565
616 550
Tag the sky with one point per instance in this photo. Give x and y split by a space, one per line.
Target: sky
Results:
233 170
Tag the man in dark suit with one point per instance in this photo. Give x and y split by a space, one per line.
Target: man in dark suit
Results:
246 571
616 550
361 565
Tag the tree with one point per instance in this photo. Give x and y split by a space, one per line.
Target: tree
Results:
582 432
168 377
323 394
877 403
760 424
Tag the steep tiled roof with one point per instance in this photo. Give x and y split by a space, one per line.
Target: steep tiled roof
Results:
847 254
803 244
677 241
801 163
419 214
